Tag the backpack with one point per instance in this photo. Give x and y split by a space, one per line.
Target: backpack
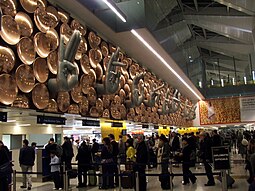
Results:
59 151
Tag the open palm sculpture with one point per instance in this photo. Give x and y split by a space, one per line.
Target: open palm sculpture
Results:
189 112
67 74
176 102
153 95
137 94
112 77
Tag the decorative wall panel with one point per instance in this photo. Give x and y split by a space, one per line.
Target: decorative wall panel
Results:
30 38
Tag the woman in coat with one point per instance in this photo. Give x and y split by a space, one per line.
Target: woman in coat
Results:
107 164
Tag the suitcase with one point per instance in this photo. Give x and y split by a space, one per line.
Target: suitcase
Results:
165 180
230 180
127 179
92 178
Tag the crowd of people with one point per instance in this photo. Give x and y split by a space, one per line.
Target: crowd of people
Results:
136 153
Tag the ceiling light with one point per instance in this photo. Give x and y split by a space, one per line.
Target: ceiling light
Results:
189 56
164 62
115 9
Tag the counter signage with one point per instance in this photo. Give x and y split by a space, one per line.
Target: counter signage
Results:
3 116
93 123
221 159
156 127
145 126
117 124
51 120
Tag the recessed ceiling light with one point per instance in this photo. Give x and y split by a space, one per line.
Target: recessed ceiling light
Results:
115 9
164 62
189 56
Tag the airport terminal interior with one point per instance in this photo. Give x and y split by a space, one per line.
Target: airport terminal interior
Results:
127 95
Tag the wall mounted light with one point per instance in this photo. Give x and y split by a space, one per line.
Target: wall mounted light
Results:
164 62
245 80
115 9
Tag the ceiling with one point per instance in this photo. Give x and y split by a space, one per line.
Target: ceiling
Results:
200 39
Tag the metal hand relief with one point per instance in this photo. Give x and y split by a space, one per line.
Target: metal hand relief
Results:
137 95
153 95
189 112
67 75
112 77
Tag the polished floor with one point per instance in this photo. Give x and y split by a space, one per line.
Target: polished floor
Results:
238 172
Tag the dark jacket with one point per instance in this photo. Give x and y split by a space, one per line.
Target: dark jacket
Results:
27 156
166 153
95 148
4 157
175 144
84 156
50 147
115 148
186 152
216 140
67 150
106 154
206 149
141 153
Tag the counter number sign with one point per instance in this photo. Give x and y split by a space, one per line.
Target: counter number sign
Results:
221 158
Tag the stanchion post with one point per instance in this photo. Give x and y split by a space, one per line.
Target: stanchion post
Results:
136 180
119 177
224 180
65 183
14 180
171 178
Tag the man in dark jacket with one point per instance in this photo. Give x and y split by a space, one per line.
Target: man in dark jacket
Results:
4 158
115 153
216 139
206 156
67 153
84 159
26 161
174 142
141 160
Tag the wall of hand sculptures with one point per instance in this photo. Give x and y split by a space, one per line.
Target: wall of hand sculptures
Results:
29 60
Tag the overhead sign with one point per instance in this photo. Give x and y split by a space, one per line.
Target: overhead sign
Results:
94 123
156 127
3 116
145 126
221 159
117 124
41 119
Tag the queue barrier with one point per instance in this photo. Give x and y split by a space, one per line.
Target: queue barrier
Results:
136 174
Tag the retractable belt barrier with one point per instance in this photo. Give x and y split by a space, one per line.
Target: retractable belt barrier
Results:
135 173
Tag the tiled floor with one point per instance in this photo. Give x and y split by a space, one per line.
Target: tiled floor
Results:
237 171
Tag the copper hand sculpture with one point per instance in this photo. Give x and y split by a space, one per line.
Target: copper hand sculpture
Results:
137 96
112 77
189 112
67 75
176 102
165 107
153 95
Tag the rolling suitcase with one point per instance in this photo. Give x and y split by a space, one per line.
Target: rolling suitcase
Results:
92 178
127 179
230 180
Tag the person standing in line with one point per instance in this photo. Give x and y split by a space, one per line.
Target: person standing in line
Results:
205 153
84 159
94 148
4 158
26 161
55 170
165 156
33 145
141 160
186 155
115 152
107 164
67 153
122 149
